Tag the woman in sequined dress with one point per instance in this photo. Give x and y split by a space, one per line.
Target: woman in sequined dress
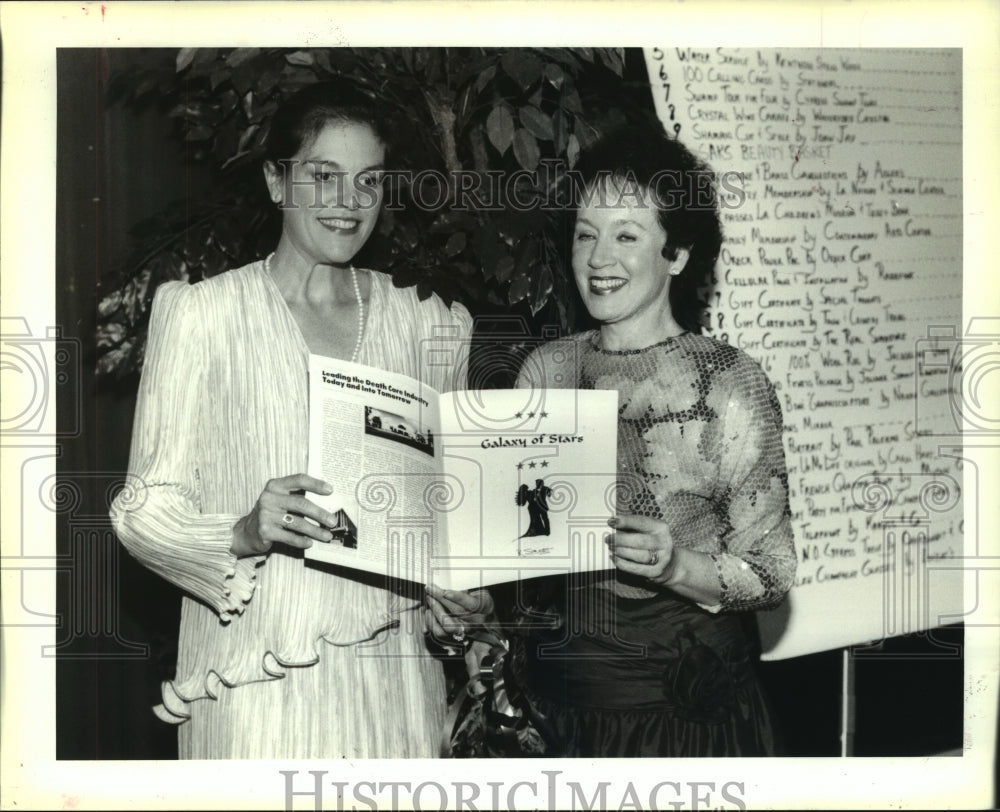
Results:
657 659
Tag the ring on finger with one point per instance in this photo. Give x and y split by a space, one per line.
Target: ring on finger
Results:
653 557
288 518
459 633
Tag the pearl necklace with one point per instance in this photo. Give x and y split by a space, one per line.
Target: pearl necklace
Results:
357 298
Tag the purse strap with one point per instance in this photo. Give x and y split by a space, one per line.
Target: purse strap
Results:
492 696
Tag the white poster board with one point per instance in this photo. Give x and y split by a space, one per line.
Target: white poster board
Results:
840 180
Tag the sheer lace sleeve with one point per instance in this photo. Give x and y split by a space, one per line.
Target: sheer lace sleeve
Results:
757 562
158 515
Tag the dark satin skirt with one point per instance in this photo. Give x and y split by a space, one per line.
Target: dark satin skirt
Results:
620 677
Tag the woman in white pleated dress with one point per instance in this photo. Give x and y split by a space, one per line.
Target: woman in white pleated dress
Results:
277 658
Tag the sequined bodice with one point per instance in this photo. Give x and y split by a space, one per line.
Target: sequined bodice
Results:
699 446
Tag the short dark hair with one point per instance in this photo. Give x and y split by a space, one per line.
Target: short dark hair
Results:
302 116
682 187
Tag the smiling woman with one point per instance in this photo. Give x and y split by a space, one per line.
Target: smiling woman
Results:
330 203
655 660
329 192
268 663
620 269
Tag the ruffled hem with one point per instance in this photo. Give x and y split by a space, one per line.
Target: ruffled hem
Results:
239 584
200 561
177 697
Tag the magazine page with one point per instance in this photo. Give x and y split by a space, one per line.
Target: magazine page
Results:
535 473
373 436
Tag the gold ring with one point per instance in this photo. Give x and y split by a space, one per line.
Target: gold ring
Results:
653 557
288 518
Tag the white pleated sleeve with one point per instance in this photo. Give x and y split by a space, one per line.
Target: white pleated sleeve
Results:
158 515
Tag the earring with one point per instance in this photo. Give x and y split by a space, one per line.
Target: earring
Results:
675 271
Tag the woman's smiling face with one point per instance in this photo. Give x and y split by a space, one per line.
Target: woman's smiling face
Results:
331 192
618 259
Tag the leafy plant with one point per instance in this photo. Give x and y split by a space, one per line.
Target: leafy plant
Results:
511 119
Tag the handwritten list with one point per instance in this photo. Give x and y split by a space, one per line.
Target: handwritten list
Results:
840 181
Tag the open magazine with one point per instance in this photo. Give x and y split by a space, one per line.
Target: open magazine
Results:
461 489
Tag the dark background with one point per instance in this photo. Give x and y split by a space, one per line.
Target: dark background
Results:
118 622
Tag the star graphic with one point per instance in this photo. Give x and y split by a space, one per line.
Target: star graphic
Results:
520 465
543 414
531 414
517 415
531 464
544 463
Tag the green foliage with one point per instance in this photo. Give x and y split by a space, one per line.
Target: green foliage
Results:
487 110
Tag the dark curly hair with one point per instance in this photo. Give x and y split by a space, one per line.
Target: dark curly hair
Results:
302 116
683 189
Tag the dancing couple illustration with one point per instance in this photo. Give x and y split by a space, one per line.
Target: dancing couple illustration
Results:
536 500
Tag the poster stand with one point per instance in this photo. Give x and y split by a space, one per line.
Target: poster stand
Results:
848 705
